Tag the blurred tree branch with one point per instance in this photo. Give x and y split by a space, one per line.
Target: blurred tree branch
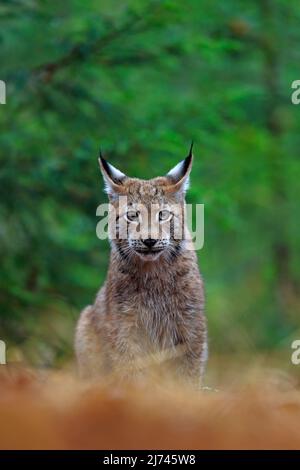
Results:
83 51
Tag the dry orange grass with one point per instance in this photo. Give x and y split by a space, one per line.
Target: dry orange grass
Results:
53 410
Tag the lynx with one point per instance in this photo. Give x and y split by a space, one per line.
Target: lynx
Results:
151 308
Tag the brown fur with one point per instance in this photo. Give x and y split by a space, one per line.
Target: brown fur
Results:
149 311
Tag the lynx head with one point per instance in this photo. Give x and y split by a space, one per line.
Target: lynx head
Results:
147 217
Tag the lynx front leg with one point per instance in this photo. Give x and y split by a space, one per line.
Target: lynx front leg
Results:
191 366
89 347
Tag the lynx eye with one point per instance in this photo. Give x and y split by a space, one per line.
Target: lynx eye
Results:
132 216
164 215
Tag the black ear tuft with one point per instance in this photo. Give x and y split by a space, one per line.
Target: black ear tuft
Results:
188 159
179 175
113 177
191 149
106 167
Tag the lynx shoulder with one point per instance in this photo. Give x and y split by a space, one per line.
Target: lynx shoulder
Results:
150 311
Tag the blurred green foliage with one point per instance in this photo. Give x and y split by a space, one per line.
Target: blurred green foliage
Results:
142 79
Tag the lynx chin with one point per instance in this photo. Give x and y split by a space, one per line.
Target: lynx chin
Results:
150 310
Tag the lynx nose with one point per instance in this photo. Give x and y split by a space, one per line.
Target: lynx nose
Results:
149 242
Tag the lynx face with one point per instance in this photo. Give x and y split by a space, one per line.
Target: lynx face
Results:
147 217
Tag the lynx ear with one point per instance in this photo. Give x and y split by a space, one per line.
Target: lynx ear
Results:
179 175
113 178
